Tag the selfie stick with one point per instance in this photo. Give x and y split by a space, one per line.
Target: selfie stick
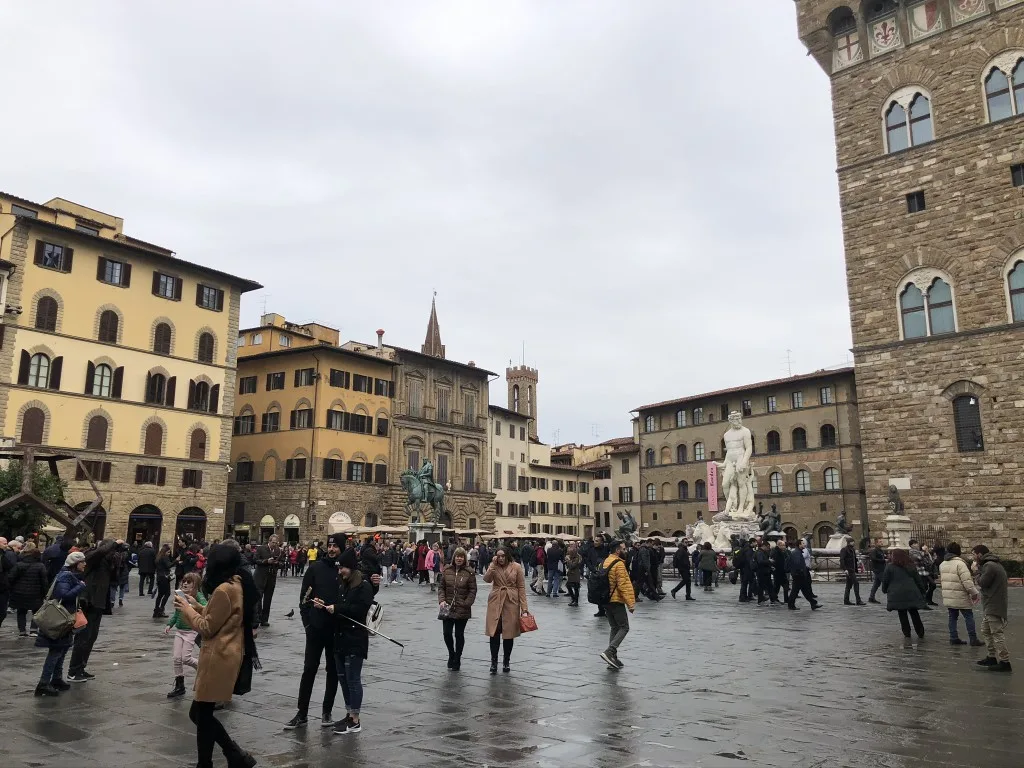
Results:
368 629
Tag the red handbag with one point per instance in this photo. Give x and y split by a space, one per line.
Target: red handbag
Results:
527 623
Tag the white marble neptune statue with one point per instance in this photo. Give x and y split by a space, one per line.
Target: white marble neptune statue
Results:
737 474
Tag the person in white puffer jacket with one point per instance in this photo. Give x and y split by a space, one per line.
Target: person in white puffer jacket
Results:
959 594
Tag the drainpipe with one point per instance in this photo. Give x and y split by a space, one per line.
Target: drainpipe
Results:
312 443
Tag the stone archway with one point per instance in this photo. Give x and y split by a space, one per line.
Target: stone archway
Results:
97 519
190 524
144 524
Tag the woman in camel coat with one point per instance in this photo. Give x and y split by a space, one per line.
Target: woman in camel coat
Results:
220 624
505 604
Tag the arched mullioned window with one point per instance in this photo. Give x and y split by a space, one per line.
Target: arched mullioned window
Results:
908 119
1015 283
1004 86
929 312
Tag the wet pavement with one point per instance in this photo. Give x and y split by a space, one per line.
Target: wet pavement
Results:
709 683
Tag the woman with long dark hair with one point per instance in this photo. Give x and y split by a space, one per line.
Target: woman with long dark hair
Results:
225 626
505 604
904 590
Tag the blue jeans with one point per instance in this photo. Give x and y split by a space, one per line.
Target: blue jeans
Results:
954 614
53 666
554 583
350 671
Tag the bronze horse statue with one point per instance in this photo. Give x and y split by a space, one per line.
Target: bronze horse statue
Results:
418 492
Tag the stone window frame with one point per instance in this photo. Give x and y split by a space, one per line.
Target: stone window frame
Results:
925 276
1012 261
198 425
152 334
47 419
807 475
163 437
651 492
195 344
792 436
1005 61
120 323
905 96
951 393
60 309
110 425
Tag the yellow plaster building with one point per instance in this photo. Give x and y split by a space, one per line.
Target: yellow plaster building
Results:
118 351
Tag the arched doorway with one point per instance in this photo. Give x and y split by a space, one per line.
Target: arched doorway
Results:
791 534
291 529
96 520
824 534
652 534
191 524
678 534
267 528
144 524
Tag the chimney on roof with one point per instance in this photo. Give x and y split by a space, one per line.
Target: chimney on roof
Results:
380 340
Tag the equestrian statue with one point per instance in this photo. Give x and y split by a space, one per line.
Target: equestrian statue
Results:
420 488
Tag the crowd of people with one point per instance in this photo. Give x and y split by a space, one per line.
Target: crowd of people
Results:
224 591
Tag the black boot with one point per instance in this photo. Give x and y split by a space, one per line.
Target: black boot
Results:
451 660
494 666
45 689
238 757
179 688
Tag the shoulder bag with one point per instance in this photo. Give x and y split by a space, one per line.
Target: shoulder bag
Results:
444 609
53 619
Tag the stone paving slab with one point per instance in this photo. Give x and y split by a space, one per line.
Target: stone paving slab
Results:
713 683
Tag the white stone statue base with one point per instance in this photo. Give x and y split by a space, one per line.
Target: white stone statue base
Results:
836 542
720 534
897 531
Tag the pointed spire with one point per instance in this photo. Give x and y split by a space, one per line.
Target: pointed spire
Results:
432 345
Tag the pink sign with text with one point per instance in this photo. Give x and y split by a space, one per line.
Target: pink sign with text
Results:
712 486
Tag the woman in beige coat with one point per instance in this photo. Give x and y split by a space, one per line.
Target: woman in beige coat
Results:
220 657
505 604
958 594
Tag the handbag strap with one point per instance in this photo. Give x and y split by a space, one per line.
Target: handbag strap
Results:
49 593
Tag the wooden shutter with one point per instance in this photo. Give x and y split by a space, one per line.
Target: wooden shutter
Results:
177 288
291 423
191 394
199 295
26 361
300 468
270 378
115 389
156 283
161 476
55 368
169 391
33 424
126 275
263 422
367 473
38 259
138 475
380 474
288 469
220 300
96 437
198 479
105 476
69 254
101 268
369 425
154 440
214 397
90 372
149 378
391 389
297 372
350 465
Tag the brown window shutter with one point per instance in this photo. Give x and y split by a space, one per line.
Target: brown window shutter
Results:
325 473
69 254
270 378
288 469
199 294
368 473
169 391
199 478
38 259
291 420
300 468
101 268
90 371
115 389
26 361
296 378
55 369
191 394
126 275
149 377
214 397
177 288
263 422
220 301
138 475
156 283
161 476
105 473
79 473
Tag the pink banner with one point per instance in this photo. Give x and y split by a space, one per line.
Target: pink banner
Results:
712 486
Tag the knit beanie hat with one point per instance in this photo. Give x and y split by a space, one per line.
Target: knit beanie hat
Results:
73 559
348 559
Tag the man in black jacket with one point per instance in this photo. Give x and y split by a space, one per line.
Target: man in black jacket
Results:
595 552
93 601
763 568
147 567
848 562
267 558
743 562
681 562
877 559
779 578
320 582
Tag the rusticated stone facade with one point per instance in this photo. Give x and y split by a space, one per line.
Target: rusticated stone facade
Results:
969 234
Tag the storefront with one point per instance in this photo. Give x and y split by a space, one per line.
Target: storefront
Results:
241 533
144 524
268 527
291 529
191 524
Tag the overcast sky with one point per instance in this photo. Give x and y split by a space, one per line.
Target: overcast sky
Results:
642 193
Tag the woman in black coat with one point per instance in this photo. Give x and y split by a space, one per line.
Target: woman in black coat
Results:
163 581
29 584
904 589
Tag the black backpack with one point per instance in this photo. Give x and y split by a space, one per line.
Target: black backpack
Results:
599 586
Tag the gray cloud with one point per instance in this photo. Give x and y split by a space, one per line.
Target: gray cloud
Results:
643 193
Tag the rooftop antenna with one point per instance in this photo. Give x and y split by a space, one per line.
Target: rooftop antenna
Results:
265 297
524 353
789 361
558 432
594 432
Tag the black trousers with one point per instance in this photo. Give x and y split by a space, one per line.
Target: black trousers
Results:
745 591
905 622
85 640
318 641
875 584
266 597
574 592
163 592
143 577
801 585
781 582
209 731
764 588
685 583
458 642
851 583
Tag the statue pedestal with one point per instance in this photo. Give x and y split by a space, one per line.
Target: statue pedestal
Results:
897 531
836 542
429 532
720 534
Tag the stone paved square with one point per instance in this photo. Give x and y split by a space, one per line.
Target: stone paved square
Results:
710 683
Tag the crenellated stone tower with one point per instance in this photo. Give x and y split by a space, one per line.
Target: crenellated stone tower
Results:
522 393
